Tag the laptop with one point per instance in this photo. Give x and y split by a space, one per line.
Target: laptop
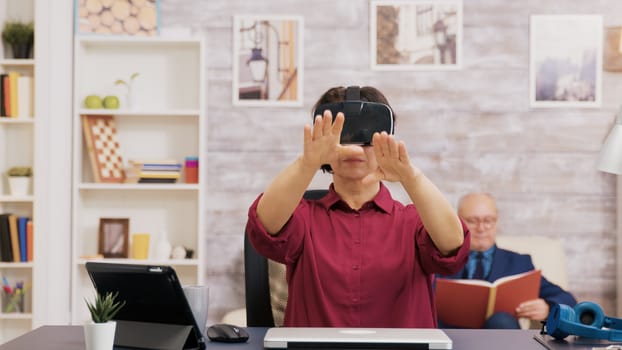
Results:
356 338
156 314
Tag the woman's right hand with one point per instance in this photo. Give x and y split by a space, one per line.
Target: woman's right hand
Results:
321 142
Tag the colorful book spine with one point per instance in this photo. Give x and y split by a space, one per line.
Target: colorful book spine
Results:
29 240
22 223
13 76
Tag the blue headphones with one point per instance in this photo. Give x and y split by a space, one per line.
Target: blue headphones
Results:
586 319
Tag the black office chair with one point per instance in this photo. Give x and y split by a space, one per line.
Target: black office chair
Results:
256 277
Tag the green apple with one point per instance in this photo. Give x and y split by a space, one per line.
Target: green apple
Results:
111 102
93 101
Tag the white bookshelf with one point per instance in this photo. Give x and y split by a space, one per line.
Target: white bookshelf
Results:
17 148
166 120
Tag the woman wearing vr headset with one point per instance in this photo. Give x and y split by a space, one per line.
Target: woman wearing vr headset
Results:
357 257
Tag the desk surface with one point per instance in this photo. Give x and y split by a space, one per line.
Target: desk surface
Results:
72 338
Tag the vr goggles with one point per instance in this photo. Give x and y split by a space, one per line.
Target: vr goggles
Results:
362 119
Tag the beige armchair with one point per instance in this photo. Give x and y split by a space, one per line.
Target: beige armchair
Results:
547 255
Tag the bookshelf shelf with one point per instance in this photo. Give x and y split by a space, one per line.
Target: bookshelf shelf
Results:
8 62
138 187
16 199
16 265
27 121
166 121
173 262
18 145
144 113
16 316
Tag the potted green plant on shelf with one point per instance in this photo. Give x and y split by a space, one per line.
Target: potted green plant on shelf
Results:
19 180
128 84
20 36
99 335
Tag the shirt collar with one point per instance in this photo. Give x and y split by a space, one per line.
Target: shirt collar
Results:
487 253
382 200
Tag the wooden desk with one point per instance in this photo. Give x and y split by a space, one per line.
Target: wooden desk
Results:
72 338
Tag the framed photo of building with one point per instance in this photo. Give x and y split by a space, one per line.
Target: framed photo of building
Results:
416 34
114 237
565 63
267 60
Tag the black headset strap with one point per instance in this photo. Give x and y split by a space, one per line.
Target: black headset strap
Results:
353 93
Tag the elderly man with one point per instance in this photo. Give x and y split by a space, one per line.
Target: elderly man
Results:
488 262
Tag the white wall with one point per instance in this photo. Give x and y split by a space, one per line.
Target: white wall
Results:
470 129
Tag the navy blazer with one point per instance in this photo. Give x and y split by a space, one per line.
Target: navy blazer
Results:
507 263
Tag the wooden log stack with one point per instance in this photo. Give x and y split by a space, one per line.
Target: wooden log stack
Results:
124 17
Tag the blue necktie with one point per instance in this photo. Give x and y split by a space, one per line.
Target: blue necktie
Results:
478 274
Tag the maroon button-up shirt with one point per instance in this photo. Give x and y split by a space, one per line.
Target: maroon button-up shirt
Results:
371 267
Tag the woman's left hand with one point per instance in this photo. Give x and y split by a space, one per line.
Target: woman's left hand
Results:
392 158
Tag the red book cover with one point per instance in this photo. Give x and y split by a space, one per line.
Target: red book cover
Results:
468 303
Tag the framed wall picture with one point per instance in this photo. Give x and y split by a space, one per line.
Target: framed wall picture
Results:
416 34
565 63
612 50
119 17
114 237
267 60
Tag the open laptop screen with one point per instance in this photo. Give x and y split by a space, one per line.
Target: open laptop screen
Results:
152 294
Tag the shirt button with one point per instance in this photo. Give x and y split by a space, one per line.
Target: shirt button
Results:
355 267
356 300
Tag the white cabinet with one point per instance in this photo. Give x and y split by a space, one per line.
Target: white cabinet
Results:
17 148
165 121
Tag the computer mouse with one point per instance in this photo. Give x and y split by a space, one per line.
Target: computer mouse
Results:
227 333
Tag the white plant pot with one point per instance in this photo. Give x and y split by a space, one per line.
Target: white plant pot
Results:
19 185
99 336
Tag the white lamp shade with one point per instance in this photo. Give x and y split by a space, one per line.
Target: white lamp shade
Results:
258 69
611 153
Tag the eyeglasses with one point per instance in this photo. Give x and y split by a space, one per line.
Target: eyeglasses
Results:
488 221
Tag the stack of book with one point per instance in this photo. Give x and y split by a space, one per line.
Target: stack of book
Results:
16 238
16 91
159 171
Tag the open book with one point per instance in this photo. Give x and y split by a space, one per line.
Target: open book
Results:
468 303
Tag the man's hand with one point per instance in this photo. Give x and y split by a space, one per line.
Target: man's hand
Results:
321 142
536 309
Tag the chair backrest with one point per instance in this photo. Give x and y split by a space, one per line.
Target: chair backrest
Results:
546 253
265 284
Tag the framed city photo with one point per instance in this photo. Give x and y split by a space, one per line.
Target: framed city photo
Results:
416 34
565 63
114 237
267 60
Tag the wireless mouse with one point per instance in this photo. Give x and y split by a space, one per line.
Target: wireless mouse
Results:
227 333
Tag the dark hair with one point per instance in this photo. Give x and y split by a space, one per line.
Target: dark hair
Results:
338 94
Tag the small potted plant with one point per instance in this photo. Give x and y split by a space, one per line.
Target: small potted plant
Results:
20 36
128 85
99 335
19 180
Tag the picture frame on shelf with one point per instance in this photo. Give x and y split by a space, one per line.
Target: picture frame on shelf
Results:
267 60
119 17
415 35
102 146
114 237
565 63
